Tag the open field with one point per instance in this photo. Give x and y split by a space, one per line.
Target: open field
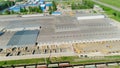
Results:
112 2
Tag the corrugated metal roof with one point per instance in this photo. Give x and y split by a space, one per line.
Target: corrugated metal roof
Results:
83 30
26 37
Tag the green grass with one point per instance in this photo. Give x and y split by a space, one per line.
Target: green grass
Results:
65 58
1 0
116 56
71 59
113 66
25 61
89 61
109 12
112 2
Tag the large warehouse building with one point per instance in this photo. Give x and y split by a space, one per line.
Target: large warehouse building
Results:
91 35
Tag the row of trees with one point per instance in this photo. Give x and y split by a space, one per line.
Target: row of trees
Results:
26 10
6 4
31 9
53 7
86 4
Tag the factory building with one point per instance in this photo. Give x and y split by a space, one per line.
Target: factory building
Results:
91 35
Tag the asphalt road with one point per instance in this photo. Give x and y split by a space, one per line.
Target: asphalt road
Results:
107 5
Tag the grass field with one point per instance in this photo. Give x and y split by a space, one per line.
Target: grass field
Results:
110 12
25 61
112 2
71 59
2 0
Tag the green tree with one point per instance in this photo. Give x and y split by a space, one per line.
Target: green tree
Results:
73 6
7 12
12 12
50 10
114 14
21 9
40 9
30 9
6 4
54 6
25 10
